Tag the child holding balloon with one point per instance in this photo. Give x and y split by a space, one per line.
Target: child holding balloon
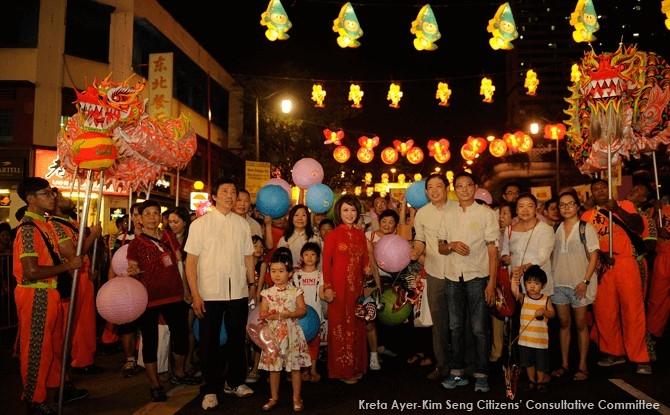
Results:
282 305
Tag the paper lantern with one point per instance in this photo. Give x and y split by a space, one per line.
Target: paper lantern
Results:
389 155
341 154
276 20
554 131
425 29
526 143
392 253
385 178
665 8
310 323
281 183
355 95
439 150
318 95
122 300
333 137
478 144
223 334
347 27
319 198
417 177
365 155
502 28
416 194
272 201
93 151
394 312
120 261
394 95
403 147
585 21
575 74
498 148
368 178
531 82
415 155
443 94
307 172
487 89
468 152
368 142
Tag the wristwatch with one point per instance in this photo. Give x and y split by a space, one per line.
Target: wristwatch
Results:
586 282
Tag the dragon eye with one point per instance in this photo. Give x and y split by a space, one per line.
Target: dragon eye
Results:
117 94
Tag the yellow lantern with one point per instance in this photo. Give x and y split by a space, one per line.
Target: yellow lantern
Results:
531 82
356 95
401 178
415 155
318 95
198 185
468 152
486 90
357 190
385 177
443 94
389 155
368 178
341 154
365 155
554 131
276 20
526 143
394 95
369 191
418 177
498 148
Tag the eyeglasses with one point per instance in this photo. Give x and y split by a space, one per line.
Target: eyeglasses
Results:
567 205
512 193
47 193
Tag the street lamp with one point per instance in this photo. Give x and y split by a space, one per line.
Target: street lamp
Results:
534 128
393 170
286 107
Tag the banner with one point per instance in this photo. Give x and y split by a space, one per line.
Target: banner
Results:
255 175
160 84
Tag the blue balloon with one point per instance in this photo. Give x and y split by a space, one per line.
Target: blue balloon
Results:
223 337
416 194
310 323
319 198
272 201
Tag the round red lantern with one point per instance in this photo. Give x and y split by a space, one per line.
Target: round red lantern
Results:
415 155
513 141
554 131
341 154
468 152
442 157
365 155
498 148
389 155
94 151
479 144
526 143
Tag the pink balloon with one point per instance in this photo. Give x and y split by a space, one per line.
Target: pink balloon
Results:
120 261
392 253
122 300
281 183
264 338
254 314
484 195
307 172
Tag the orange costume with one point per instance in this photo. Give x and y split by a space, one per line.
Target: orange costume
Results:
620 327
83 322
658 306
38 305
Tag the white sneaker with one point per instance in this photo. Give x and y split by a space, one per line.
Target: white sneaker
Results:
241 391
374 362
210 401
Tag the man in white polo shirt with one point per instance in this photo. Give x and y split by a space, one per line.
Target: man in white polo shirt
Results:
220 273
427 224
471 267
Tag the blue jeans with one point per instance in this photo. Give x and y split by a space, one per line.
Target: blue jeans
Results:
465 297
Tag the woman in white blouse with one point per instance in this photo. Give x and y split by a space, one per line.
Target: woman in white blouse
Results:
574 262
529 241
298 232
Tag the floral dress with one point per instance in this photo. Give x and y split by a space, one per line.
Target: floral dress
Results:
294 353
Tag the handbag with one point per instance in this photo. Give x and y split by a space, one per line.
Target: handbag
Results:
422 316
505 302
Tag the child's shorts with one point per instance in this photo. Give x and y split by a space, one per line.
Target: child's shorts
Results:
532 357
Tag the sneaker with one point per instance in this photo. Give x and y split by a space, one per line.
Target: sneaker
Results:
158 394
608 361
481 385
87 370
643 369
210 401
129 369
453 381
184 380
241 391
374 362
40 409
386 352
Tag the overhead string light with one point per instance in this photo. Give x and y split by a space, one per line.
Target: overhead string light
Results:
425 29
502 28
347 27
585 21
276 20
444 93
394 95
318 95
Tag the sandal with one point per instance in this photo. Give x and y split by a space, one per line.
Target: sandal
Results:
297 405
559 372
426 361
415 358
581 375
271 403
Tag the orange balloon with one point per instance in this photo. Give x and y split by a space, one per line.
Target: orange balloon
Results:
341 154
389 155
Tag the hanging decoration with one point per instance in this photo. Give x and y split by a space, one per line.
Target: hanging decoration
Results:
468 153
276 20
665 8
425 29
341 154
498 148
403 147
333 137
368 178
439 150
502 28
415 155
443 94
368 142
531 82
394 95
347 27
622 98
389 155
518 142
356 95
473 147
574 72
366 153
585 21
554 131
318 95
487 89
417 177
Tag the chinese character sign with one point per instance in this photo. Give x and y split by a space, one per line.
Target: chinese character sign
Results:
160 84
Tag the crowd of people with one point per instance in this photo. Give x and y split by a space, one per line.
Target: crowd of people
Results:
555 257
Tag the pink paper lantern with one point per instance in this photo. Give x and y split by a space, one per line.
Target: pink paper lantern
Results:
392 253
122 300
307 172
120 261
281 183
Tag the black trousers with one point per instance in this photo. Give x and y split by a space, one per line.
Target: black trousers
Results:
175 315
234 315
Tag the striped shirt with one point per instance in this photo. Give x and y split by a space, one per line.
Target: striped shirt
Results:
536 335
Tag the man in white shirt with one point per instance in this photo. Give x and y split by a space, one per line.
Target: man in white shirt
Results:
243 208
427 224
472 263
220 273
